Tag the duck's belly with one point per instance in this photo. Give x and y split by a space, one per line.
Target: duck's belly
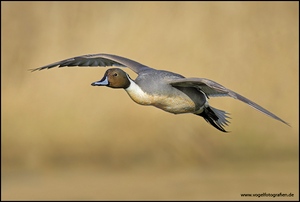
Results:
177 103
166 97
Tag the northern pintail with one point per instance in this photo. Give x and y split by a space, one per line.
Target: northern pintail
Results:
165 90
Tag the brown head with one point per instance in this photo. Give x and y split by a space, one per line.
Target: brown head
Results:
114 78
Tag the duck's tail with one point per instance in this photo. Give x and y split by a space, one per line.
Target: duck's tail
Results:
216 117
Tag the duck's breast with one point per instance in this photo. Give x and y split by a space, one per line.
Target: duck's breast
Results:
151 88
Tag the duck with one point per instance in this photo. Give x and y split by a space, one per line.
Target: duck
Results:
162 89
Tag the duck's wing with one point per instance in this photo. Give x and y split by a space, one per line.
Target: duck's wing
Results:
213 89
98 60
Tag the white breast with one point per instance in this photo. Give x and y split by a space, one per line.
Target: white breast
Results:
138 95
175 105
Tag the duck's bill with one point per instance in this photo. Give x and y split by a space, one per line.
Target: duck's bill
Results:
102 82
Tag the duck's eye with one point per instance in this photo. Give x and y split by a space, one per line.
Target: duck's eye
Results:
115 74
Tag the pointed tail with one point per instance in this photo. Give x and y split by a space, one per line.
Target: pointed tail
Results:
216 117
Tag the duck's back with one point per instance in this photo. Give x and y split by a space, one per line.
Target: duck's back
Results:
154 81
164 96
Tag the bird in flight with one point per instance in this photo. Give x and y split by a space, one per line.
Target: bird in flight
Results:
165 90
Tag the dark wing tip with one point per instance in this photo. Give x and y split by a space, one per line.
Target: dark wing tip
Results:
36 69
256 106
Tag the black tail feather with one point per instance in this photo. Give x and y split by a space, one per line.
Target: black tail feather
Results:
215 117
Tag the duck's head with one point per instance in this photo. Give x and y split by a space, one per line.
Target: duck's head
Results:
114 78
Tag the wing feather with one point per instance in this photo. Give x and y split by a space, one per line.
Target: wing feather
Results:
97 60
211 88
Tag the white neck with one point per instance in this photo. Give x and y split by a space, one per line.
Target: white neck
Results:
137 94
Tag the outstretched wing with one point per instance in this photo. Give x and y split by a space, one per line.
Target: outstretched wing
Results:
97 60
211 88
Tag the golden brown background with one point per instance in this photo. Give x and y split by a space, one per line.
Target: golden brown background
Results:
64 139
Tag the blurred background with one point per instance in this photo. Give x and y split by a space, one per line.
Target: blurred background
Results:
63 139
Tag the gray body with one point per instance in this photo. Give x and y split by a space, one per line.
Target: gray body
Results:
183 100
